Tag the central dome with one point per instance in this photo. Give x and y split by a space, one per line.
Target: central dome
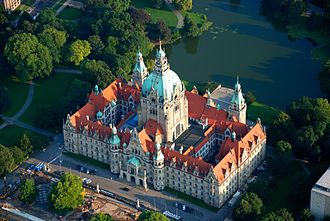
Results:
162 79
164 84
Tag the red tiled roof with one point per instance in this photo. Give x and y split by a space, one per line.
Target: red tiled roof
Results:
153 128
191 162
198 109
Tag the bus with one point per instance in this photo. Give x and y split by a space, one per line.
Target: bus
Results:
172 216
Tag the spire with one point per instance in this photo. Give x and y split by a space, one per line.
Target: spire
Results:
160 53
140 71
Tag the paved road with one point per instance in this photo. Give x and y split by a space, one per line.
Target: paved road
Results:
70 3
161 200
177 13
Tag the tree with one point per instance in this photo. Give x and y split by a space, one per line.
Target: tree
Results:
97 45
66 195
6 160
280 162
148 215
4 100
79 50
249 207
306 215
249 98
281 129
48 17
280 215
18 155
324 78
139 16
183 5
190 28
157 3
101 217
25 144
27 191
29 58
159 31
97 72
287 10
54 40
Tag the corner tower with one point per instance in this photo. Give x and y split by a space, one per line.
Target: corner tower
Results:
237 107
140 71
159 173
163 100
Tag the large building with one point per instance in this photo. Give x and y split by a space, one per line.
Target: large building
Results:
11 5
154 133
320 197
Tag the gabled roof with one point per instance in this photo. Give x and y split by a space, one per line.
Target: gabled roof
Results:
153 128
192 163
199 110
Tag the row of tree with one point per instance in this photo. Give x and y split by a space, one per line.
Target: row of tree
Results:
306 126
10 157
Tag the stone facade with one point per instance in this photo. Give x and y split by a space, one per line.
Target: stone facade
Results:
11 5
210 165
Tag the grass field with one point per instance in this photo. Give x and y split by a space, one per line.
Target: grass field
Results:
191 199
70 13
266 113
17 91
163 13
28 2
47 92
87 160
11 135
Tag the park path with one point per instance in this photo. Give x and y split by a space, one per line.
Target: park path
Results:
177 13
23 108
70 3
68 71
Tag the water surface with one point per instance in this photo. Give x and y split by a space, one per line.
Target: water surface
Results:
241 42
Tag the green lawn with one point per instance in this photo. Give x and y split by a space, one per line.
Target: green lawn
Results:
48 92
266 113
70 13
17 91
87 160
28 2
191 199
11 135
164 13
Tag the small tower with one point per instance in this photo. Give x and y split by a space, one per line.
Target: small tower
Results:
159 169
114 142
238 106
140 71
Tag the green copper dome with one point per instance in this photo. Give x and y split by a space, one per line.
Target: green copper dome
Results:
114 139
164 84
99 115
134 161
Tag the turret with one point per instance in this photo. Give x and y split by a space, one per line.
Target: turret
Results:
238 106
159 169
114 143
140 71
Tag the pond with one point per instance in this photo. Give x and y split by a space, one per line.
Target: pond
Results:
242 42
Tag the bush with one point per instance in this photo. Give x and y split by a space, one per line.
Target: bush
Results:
27 191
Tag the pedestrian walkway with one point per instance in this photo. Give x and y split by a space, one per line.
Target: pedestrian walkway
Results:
177 13
70 3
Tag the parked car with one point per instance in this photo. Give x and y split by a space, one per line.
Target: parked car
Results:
59 172
93 171
125 189
86 180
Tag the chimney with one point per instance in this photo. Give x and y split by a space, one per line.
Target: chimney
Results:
119 85
181 149
87 117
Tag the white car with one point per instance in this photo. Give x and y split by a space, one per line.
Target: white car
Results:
86 180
